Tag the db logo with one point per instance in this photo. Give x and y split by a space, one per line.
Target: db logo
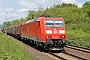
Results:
55 31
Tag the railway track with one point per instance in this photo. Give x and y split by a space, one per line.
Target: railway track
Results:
59 57
86 50
65 56
78 51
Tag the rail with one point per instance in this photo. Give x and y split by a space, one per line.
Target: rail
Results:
79 43
62 56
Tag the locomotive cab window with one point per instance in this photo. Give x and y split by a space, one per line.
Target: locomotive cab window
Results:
49 23
59 23
54 23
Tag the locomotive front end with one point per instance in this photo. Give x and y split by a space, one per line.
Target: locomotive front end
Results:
55 33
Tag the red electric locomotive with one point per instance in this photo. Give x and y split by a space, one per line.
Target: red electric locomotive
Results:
46 32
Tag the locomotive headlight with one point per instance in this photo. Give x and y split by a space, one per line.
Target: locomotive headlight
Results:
61 31
49 31
61 36
48 36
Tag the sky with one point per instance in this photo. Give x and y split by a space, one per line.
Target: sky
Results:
16 9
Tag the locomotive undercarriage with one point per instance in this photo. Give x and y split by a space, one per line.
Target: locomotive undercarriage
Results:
51 44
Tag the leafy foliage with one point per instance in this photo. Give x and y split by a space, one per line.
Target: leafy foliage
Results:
7 24
86 6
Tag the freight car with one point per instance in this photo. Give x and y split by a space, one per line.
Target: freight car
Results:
46 32
18 31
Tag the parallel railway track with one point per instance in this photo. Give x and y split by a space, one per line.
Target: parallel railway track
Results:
78 51
86 50
65 56
80 58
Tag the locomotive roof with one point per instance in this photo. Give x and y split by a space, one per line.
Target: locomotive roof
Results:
54 18
32 20
50 18
46 18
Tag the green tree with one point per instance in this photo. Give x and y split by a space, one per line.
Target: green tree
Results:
30 15
22 20
86 7
7 24
15 22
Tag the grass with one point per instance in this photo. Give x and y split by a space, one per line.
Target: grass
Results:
12 49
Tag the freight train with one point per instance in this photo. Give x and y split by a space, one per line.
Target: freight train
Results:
46 32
